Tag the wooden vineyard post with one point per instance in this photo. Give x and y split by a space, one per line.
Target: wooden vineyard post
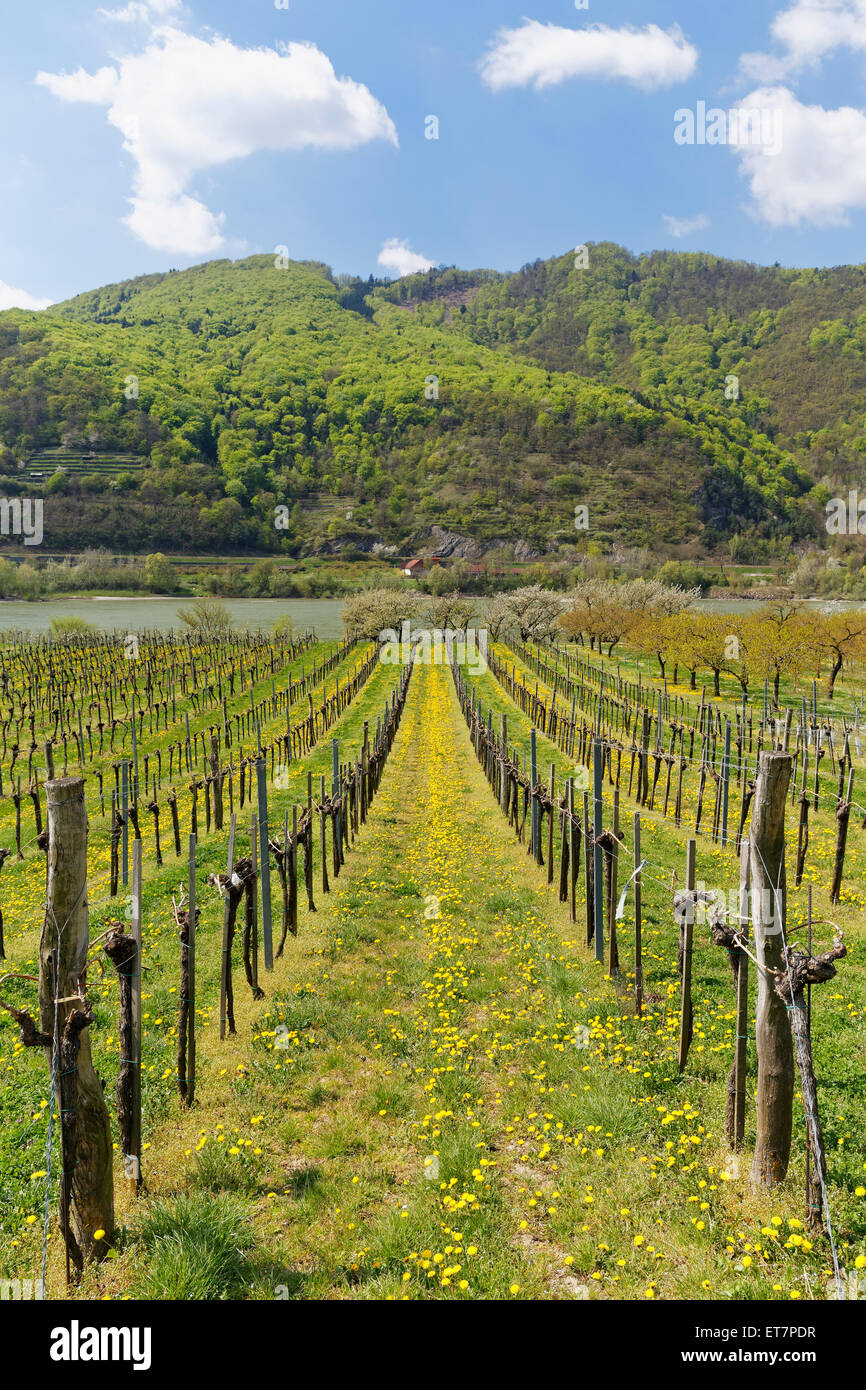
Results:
638 943
598 852
733 937
87 1182
533 780
227 929
267 927
190 956
801 971
775 1091
687 931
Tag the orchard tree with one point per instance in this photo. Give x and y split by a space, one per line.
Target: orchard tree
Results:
373 611
843 637
783 638
681 645
739 648
531 612
596 609
654 636
450 610
710 643
652 596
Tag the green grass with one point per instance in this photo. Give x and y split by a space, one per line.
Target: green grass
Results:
475 1082
194 1249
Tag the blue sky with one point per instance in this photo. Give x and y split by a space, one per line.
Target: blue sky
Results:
152 134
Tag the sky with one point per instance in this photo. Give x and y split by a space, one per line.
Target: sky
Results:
386 136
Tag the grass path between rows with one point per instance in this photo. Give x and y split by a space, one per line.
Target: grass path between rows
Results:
441 1099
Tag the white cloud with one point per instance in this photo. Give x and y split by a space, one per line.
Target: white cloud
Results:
185 104
543 54
142 11
19 299
684 226
807 32
397 255
172 224
818 175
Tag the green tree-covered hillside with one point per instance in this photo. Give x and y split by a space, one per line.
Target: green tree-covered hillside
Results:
189 411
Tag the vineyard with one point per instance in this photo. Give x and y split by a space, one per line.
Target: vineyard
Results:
323 977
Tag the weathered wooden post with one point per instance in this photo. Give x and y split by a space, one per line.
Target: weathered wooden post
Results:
802 970
772 1029
87 1189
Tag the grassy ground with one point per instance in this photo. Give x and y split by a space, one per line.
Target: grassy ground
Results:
443 1095
24 1087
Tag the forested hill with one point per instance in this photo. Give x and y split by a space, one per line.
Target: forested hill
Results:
676 325
178 410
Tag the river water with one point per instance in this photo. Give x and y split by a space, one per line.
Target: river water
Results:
322 615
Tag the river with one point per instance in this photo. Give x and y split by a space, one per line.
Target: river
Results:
322 615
